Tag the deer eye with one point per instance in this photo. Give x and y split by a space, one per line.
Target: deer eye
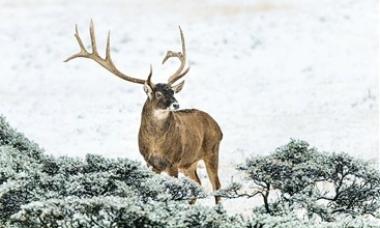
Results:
159 94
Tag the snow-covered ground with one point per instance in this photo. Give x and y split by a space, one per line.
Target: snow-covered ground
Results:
266 70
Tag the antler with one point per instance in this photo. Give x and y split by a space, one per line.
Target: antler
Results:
104 62
182 57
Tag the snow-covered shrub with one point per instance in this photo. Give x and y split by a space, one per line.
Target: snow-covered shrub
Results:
37 190
291 220
18 155
113 178
215 217
10 137
113 211
107 211
15 163
356 186
310 182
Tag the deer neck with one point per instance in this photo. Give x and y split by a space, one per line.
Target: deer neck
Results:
156 121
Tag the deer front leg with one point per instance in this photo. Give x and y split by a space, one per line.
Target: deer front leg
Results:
155 170
173 172
191 173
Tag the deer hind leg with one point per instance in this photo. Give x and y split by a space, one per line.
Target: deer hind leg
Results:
191 173
211 161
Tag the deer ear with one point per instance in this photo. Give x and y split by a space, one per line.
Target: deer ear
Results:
148 90
177 88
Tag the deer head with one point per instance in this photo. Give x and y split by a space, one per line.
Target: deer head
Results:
161 95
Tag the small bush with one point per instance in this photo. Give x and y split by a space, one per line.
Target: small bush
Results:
323 185
10 137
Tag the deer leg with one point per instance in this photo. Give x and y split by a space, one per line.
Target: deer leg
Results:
191 173
211 162
155 170
173 172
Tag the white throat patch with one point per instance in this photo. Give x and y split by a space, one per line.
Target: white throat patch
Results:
160 114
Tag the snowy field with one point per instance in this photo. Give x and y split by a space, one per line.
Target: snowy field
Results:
266 70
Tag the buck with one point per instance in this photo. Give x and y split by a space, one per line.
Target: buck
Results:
170 140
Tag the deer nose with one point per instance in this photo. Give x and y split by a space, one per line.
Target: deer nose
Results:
175 105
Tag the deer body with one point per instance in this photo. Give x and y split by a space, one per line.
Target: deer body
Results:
169 140
179 140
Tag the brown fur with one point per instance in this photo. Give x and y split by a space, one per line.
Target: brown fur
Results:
180 141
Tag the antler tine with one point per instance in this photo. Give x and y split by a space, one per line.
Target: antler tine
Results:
183 43
148 80
183 73
93 39
83 52
108 47
182 57
107 61
79 39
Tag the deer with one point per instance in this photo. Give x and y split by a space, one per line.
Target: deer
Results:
170 139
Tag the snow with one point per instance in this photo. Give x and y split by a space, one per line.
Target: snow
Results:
267 71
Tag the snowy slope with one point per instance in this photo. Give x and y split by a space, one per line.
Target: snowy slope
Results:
266 70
